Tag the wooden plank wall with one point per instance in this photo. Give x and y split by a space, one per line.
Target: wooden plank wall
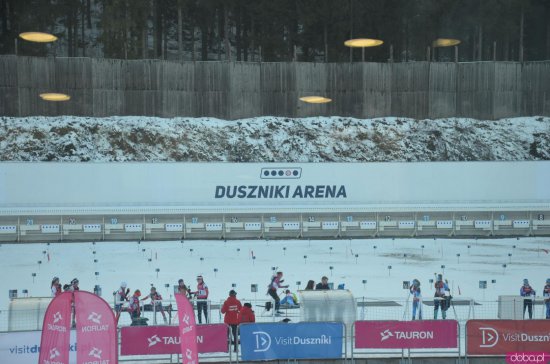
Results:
233 90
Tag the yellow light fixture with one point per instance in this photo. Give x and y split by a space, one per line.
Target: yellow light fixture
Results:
51 96
363 42
445 42
38 37
315 99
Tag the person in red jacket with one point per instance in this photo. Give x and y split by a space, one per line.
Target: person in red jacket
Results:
247 314
231 308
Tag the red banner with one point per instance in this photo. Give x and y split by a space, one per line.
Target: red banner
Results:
427 334
499 337
56 331
156 340
188 330
95 330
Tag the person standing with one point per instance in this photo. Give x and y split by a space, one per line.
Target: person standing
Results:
440 299
417 299
273 287
74 285
120 297
527 292
231 308
202 299
56 287
182 288
323 285
133 307
546 295
156 303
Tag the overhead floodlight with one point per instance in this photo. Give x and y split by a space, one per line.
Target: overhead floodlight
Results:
50 96
38 37
363 42
445 42
315 99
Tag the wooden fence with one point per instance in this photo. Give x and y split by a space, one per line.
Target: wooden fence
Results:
233 90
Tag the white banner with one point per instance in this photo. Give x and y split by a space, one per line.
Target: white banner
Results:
23 347
210 185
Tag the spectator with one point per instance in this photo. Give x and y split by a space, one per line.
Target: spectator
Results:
417 299
440 300
202 299
546 295
133 307
275 284
290 299
527 291
323 285
310 285
74 285
120 297
156 303
231 308
247 314
56 287
182 288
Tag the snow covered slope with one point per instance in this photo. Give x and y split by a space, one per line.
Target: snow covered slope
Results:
266 139
116 262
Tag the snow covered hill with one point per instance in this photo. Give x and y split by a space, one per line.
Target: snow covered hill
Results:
267 139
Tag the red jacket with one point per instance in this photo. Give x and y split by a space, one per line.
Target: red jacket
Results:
246 315
231 308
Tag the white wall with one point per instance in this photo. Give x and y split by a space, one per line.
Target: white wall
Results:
107 184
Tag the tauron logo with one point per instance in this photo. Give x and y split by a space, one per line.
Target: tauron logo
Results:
386 334
95 317
95 352
153 340
186 319
281 173
54 353
57 317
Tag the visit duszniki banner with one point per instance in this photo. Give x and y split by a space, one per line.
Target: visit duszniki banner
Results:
308 340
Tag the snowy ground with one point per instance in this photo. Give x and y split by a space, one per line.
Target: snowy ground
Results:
126 262
268 138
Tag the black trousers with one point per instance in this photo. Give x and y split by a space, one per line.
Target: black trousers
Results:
273 293
528 304
202 306
234 335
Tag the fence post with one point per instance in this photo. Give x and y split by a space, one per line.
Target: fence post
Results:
352 342
154 311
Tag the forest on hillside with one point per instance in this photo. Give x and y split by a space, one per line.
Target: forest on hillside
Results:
279 30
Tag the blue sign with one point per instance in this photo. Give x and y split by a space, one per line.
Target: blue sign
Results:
307 340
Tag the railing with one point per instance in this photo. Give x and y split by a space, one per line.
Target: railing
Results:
368 308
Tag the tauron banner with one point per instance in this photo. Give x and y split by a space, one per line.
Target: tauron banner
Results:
157 340
427 334
56 331
500 337
188 330
305 340
96 332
